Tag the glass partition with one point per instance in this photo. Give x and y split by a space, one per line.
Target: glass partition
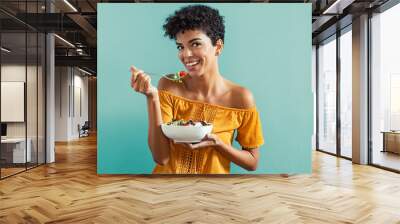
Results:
41 107
32 95
14 153
22 77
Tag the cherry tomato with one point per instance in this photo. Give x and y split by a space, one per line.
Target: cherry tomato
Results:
182 74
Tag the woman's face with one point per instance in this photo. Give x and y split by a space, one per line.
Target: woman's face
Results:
196 52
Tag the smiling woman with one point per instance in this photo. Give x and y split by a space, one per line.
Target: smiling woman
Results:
203 95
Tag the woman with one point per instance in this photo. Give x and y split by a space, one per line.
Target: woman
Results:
203 94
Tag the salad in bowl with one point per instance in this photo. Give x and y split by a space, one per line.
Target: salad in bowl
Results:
186 131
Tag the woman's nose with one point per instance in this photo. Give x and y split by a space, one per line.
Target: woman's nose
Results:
186 53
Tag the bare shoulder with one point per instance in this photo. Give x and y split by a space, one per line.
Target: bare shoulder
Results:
168 85
241 97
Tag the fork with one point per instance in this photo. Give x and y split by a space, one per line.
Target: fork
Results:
171 76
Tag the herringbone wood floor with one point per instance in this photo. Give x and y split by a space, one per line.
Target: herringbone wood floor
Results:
70 191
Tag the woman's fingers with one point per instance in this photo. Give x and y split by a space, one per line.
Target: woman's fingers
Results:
133 77
136 78
202 144
147 85
136 84
143 79
141 82
144 84
134 72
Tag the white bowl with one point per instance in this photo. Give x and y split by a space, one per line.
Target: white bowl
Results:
188 134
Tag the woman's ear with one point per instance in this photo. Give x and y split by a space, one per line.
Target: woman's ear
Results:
219 45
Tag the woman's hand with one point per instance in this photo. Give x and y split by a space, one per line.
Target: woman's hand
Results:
141 82
209 140
246 158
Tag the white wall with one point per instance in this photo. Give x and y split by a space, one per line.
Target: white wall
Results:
71 94
80 110
62 81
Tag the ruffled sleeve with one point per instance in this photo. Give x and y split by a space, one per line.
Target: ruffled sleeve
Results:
249 132
166 106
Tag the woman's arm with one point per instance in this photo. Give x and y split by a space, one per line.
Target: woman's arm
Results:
246 158
158 143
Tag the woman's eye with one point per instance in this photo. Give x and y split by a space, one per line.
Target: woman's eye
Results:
195 44
179 47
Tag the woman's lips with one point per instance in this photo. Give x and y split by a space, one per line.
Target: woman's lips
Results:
192 65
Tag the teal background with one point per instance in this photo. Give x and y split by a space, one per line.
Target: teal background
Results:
267 50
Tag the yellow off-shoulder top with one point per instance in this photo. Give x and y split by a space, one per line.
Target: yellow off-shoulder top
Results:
225 121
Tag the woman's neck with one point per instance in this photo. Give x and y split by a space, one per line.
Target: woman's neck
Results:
207 85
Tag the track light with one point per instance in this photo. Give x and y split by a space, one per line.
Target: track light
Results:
5 50
64 40
70 5
84 71
337 7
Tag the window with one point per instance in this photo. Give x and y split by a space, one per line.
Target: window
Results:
327 96
385 88
346 93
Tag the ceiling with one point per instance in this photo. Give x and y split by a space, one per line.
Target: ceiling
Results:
76 22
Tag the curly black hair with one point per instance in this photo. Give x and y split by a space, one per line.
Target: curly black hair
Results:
193 17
